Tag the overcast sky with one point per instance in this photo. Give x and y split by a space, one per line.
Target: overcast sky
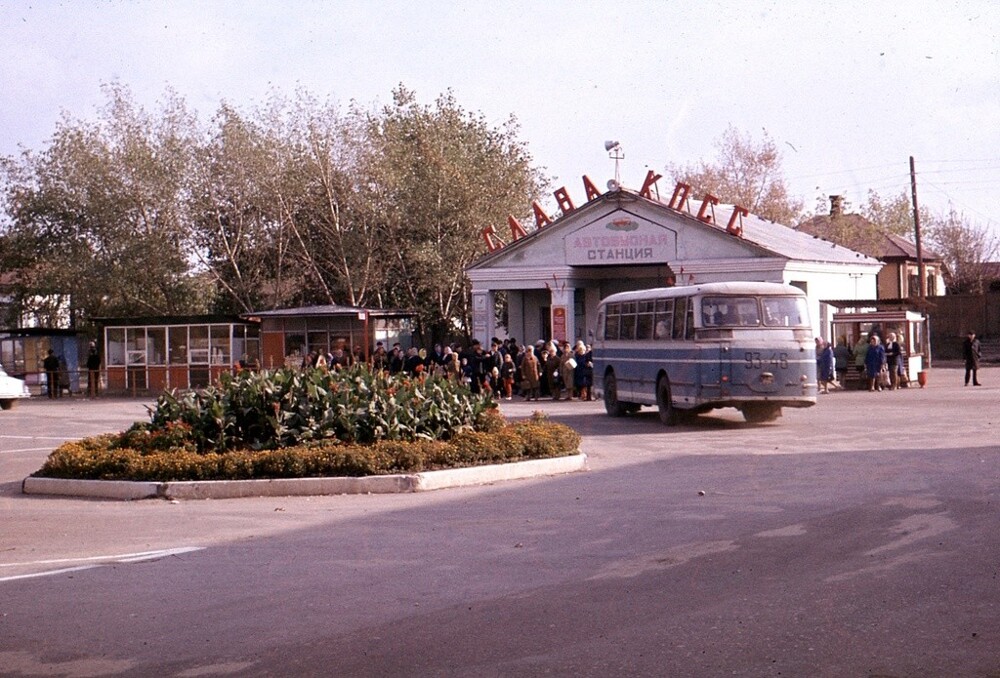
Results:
847 90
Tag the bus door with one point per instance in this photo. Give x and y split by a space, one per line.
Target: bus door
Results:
725 355
714 354
714 370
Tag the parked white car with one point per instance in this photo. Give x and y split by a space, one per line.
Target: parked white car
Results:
11 390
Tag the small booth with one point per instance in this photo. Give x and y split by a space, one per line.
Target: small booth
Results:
912 330
23 349
143 355
289 334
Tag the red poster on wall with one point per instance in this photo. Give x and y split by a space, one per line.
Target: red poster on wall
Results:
559 323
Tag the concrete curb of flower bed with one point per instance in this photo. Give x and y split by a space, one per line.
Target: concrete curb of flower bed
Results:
284 487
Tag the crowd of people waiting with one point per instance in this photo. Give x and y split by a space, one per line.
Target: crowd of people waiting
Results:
880 365
506 369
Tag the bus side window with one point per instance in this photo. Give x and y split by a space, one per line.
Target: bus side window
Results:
611 321
689 332
664 318
628 320
644 326
680 310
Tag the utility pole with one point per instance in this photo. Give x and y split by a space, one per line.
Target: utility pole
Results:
916 228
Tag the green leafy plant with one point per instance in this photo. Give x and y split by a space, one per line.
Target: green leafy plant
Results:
272 409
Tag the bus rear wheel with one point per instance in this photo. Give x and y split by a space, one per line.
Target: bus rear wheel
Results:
669 415
613 406
760 413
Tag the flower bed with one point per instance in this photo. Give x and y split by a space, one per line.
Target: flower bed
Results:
311 423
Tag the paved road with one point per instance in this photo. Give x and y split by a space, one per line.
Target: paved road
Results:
856 538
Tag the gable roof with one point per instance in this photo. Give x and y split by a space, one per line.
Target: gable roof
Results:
794 244
898 247
772 238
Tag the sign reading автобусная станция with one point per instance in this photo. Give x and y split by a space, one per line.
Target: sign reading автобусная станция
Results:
620 240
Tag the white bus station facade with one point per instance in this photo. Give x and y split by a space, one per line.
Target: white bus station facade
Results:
622 240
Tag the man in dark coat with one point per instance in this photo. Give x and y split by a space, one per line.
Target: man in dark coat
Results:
51 365
93 371
972 353
479 363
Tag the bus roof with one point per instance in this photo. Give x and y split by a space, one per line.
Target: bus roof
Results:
706 288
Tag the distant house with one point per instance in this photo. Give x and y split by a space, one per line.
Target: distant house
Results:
900 275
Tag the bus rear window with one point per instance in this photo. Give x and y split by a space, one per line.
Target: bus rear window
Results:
785 312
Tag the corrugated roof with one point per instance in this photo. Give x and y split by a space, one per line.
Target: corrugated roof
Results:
792 244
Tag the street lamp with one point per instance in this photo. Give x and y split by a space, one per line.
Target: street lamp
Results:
614 149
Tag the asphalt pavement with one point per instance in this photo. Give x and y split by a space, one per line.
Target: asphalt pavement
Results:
854 538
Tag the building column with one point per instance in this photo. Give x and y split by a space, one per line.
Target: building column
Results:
484 324
562 316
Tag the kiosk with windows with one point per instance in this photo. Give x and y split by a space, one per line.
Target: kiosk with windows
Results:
911 328
152 354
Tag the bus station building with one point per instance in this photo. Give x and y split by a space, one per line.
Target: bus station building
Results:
554 277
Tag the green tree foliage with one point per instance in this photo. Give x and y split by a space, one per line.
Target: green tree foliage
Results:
893 214
331 206
236 231
444 174
861 232
97 216
879 216
288 203
744 173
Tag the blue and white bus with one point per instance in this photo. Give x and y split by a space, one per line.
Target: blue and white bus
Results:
687 350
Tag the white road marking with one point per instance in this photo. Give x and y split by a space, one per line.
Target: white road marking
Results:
26 449
98 561
48 574
3 437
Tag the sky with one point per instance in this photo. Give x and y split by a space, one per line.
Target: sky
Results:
847 90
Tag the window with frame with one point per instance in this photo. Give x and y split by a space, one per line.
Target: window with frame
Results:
221 348
116 346
730 312
177 337
680 311
644 320
198 351
785 312
135 345
628 320
156 346
663 319
612 321
246 342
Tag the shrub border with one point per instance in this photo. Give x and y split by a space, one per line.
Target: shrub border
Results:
424 481
102 458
